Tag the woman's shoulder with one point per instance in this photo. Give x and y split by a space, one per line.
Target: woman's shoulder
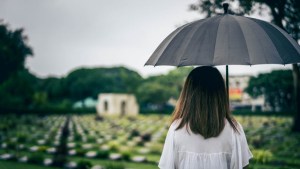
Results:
236 124
240 134
175 123
239 127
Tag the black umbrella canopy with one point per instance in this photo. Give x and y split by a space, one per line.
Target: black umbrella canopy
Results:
226 40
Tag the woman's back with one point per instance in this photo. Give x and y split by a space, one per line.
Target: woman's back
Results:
185 150
190 142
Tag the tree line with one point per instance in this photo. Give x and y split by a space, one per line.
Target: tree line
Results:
21 89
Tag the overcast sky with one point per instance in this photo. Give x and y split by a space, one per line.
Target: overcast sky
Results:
67 34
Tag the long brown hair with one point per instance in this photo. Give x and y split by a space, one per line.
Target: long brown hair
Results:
203 103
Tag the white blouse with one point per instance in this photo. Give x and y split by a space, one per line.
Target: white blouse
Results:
186 150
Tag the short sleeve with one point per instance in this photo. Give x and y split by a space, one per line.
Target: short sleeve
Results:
167 157
241 153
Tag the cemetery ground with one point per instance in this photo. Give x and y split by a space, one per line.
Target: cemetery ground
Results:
84 141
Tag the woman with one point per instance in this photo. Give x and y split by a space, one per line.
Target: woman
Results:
203 134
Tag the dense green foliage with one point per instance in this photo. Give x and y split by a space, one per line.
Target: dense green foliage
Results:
159 89
276 87
18 89
15 81
13 51
24 90
14 165
89 82
84 83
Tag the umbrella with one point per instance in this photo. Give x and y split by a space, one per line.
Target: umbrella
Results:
226 40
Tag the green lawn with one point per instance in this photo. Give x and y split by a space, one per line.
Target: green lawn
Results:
128 165
272 143
15 165
102 162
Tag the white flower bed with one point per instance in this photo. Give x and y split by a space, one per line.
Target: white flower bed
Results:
6 156
115 156
48 161
91 154
23 159
139 159
72 152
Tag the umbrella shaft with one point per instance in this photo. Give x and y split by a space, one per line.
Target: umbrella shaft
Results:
227 82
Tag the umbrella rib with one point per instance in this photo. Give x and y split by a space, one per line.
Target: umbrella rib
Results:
164 45
267 35
183 57
246 46
213 58
286 35
259 43
170 41
295 47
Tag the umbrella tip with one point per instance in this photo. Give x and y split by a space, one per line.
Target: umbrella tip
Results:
225 7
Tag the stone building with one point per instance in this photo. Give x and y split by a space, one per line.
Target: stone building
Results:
117 104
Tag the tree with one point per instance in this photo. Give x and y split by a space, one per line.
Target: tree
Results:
154 93
85 82
159 89
13 51
276 87
17 85
18 90
285 14
53 87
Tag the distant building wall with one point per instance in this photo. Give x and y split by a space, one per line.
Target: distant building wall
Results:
237 85
239 98
117 104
